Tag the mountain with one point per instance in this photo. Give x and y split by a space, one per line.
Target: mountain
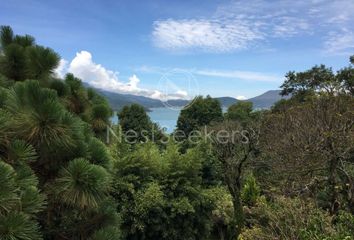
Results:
267 99
227 101
118 100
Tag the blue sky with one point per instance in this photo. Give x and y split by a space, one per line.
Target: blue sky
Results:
228 48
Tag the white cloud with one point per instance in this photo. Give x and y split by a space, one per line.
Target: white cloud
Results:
290 26
61 69
204 34
97 76
83 67
241 98
241 25
340 43
182 93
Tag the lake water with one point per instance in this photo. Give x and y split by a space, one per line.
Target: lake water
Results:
165 117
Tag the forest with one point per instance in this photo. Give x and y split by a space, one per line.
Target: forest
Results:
282 173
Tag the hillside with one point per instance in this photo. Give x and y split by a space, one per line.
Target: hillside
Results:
267 99
118 100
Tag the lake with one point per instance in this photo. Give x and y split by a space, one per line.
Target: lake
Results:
165 117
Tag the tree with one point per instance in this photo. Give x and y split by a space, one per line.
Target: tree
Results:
346 77
159 194
319 79
44 151
23 59
201 112
235 146
6 36
135 123
82 184
41 62
77 99
241 112
20 200
292 218
314 138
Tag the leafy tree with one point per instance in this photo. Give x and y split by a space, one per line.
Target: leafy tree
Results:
159 194
314 137
346 77
290 218
241 111
319 79
250 191
201 112
136 125
235 146
222 213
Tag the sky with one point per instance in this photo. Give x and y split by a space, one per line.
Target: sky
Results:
178 49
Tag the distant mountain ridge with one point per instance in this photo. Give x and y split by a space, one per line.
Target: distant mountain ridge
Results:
119 100
267 99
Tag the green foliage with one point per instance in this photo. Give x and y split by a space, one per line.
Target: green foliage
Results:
100 115
159 194
47 187
82 184
4 81
19 151
13 62
20 200
108 233
9 197
41 62
23 59
344 223
38 117
201 112
6 36
250 191
99 154
60 87
17 225
133 119
241 111
318 79
222 212
287 218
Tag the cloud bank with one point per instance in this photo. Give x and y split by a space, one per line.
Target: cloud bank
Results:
211 35
97 76
242 25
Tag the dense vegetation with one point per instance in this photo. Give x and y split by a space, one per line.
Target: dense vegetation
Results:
284 173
